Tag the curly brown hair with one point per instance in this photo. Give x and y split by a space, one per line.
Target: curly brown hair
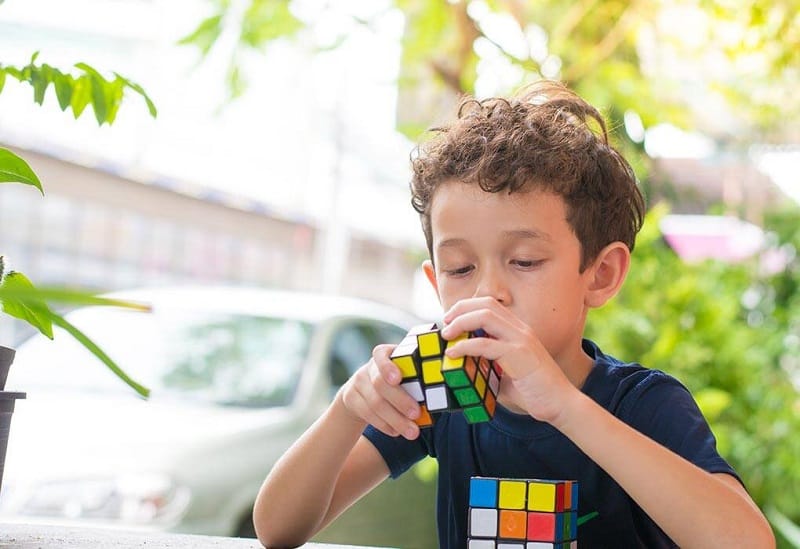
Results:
539 139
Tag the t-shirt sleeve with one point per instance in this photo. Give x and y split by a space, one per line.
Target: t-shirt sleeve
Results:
398 452
663 409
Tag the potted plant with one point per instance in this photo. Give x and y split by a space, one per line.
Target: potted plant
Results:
19 298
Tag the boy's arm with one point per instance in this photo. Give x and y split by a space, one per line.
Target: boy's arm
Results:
694 507
331 465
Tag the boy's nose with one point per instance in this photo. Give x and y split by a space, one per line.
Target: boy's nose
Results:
493 285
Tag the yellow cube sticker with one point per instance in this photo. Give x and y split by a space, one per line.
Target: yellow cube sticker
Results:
512 494
432 371
542 497
406 365
429 344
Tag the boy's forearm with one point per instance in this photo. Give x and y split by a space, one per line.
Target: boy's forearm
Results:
296 495
695 508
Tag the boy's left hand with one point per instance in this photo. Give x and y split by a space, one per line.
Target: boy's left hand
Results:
540 383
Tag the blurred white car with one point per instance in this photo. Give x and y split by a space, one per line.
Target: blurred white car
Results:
236 376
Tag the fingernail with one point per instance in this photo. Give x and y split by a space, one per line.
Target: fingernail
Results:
394 377
411 433
412 413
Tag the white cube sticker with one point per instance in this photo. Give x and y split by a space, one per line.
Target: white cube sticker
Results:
483 522
436 397
414 389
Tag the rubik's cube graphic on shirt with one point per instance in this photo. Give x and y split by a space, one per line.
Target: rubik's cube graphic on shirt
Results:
442 384
522 513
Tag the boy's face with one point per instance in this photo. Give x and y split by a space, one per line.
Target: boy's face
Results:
517 248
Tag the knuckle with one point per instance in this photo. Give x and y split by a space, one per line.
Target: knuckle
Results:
381 352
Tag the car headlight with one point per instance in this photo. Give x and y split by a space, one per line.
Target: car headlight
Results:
140 499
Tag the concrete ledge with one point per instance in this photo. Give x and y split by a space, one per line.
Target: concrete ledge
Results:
37 536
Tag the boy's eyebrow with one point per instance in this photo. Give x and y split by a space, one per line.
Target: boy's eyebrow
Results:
525 233
451 243
516 234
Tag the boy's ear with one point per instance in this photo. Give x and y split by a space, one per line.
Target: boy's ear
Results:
607 274
430 273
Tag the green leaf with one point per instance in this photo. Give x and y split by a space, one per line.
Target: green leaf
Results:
151 107
14 169
99 96
2 78
14 72
205 35
106 96
40 80
61 322
71 297
114 92
81 95
20 299
34 312
63 84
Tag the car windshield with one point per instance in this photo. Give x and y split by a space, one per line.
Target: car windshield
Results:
221 358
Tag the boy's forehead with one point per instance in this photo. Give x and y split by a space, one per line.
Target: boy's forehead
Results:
459 208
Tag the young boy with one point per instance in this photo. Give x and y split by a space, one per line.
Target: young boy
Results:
530 217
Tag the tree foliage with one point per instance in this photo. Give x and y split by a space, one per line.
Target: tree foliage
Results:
665 61
732 335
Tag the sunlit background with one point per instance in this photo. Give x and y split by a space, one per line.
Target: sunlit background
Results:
279 159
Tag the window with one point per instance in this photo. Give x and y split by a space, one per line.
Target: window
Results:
352 347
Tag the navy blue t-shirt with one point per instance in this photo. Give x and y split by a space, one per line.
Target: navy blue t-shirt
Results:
518 446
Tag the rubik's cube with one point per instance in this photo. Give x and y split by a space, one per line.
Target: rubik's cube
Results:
441 384
522 513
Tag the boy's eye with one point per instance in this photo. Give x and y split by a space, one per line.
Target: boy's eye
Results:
460 271
526 263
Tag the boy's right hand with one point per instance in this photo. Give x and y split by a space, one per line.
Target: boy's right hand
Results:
373 394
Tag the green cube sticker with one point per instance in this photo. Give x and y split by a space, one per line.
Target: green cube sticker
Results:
456 378
476 414
467 396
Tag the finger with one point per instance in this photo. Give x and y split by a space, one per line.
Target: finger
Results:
358 405
395 395
387 369
476 346
466 305
481 319
384 412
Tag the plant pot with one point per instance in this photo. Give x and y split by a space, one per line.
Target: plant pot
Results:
6 358
7 401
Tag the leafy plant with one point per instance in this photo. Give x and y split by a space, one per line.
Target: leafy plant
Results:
19 298
731 334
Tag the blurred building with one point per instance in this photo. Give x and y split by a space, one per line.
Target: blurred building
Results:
99 229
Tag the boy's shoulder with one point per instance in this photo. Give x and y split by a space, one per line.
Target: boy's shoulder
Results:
618 386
